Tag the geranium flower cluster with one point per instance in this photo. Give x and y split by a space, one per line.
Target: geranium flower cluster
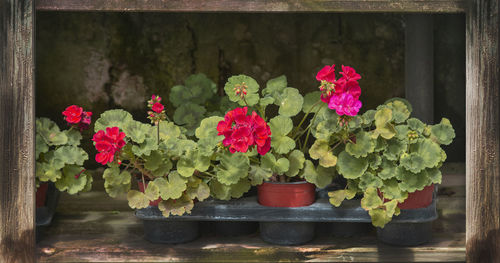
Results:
108 143
77 117
242 131
157 112
341 95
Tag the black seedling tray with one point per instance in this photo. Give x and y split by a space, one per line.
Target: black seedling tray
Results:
296 225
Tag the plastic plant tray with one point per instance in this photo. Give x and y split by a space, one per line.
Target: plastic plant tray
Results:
248 209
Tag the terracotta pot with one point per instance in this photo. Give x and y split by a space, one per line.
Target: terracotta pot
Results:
418 199
294 194
41 194
141 188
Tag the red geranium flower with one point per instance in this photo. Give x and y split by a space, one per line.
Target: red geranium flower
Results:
327 73
242 131
73 114
349 73
157 107
108 143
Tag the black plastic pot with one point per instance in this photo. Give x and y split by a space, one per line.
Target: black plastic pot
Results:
172 230
45 214
287 233
405 234
235 228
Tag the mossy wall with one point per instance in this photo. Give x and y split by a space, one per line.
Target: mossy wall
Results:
108 60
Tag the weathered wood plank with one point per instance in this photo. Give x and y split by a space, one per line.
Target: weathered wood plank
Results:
17 173
117 237
431 6
483 131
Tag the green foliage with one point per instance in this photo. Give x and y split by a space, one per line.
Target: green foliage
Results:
137 200
49 132
69 183
189 115
443 133
274 87
251 86
280 127
320 176
296 160
172 186
225 192
258 175
384 127
279 166
197 89
232 168
399 109
112 118
178 207
351 167
290 102
312 102
363 146
207 134
322 152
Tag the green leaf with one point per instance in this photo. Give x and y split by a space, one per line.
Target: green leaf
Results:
336 197
434 175
152 192
207 134
290 102
115 182
371 200
145 148
321 151
197 89
379 217
189 115
369 180
351 167
47 172
68 182
88 185
280 127
443 133
153 161
200 192
395 148
368 117
375 161
112 118
325 129
312 99
412 162
265 101
192 161
232 167
138 131
297 160
258 175
383 126
406 102
279 166
169 131
429 151
363 146
74 137
389 169
252 88
321 176
137 200
40 146
275 86
176 207
225 192
50 132
71 155
399 111
411 182
402 132
392 191
171 187
416 125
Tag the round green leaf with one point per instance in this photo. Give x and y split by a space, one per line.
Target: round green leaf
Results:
443 133
370 180
312 99
351 167
363 146
252 96
297 160
112 118
371 200
171 187
322 152
189 115
399 111
275 86
336 197
232 167
137 200
290 102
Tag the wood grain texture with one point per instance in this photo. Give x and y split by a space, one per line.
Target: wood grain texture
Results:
17 173
430 6
483 131
118 237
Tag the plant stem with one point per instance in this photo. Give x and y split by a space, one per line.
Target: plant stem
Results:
305 116
309 131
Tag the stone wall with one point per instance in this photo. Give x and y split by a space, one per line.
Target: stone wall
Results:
109 60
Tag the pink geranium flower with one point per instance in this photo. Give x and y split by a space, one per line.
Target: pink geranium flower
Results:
345 104
327 73
348 86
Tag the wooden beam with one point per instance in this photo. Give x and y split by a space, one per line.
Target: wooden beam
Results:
483 131
17 173
419 65
430 6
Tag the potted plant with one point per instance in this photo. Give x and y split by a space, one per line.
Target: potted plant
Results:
59 161
253 149
167 167
391 159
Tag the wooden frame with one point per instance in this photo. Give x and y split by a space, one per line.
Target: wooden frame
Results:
17 20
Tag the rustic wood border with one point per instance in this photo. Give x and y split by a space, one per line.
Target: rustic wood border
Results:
17 236
429 6
17 113
482 132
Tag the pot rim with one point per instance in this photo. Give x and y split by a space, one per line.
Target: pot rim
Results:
285 183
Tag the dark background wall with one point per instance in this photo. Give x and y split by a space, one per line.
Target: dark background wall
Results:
109 60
